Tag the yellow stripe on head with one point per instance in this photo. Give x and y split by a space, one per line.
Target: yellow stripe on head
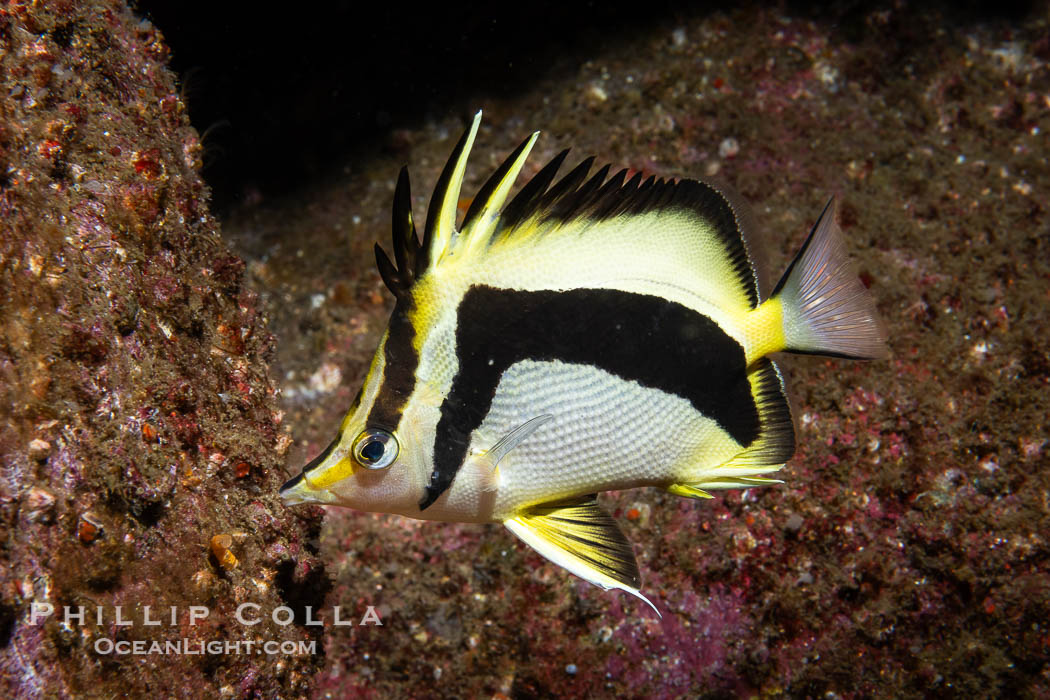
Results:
331 471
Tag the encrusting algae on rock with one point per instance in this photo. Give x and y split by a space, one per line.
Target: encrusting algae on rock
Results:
120 428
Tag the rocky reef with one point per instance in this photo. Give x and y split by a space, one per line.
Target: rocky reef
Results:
140 439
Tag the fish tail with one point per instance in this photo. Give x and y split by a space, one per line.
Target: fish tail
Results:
824 307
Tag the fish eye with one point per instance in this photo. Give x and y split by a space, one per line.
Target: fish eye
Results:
375 449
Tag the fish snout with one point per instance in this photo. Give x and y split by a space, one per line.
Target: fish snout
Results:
297 491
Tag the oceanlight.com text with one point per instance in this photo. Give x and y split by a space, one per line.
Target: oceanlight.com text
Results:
196 647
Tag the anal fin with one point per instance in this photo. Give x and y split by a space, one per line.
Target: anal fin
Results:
582 538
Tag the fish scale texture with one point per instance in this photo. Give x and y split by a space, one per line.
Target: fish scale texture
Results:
624 434
671 255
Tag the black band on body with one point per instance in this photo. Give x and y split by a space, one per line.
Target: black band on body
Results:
647 339
399 370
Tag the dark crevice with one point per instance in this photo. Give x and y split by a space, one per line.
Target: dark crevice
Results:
7 624
308 591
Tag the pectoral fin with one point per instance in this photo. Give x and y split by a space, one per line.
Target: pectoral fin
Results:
512 439
581 537
486 462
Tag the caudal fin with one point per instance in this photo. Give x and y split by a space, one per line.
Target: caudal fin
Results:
826 309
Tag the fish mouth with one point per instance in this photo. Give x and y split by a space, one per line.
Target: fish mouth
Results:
293 499
291 495
297 490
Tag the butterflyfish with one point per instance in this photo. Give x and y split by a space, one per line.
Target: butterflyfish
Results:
592 333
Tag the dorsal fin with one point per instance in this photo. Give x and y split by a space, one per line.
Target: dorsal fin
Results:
567 207
444 203
480 221
525 201
574 199
540 207
399 278
566 186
